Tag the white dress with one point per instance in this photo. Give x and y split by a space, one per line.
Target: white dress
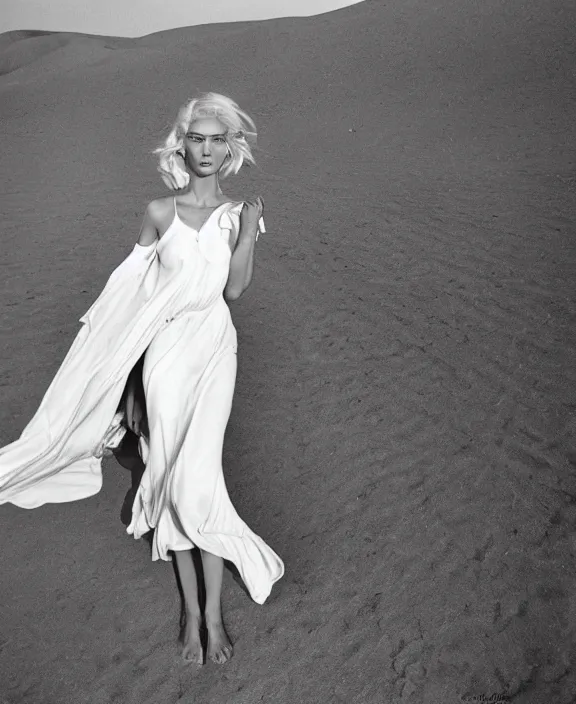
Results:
165 300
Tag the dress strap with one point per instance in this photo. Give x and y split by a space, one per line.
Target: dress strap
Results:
175 209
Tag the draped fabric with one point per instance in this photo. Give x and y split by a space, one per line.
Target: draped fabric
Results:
163 302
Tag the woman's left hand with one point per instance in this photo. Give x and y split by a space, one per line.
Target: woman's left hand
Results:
250 215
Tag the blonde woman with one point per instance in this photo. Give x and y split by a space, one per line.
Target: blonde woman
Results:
162 324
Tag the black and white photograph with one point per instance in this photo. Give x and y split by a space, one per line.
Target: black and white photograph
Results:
288 352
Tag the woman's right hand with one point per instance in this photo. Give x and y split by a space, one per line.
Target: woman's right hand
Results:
134 412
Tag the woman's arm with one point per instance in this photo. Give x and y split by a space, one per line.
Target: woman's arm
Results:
241 265
242 261
135 400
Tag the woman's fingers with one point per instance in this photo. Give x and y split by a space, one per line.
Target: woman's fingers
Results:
257 204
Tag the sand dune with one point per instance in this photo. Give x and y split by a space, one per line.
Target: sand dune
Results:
55 50
403 431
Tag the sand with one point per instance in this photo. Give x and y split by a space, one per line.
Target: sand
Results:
403 428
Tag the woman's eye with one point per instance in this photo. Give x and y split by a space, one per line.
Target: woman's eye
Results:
219 139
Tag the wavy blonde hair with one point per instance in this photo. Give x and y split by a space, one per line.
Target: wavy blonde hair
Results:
241 131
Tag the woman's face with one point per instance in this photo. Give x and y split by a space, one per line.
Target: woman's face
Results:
205 146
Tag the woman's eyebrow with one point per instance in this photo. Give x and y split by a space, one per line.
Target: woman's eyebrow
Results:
199 134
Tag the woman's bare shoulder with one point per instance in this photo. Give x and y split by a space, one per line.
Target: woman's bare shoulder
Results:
156 214
159 208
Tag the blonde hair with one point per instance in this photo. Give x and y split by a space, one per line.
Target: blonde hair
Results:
241 128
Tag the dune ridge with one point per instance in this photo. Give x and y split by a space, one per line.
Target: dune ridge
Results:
23 48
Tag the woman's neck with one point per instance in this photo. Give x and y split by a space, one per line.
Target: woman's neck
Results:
203 192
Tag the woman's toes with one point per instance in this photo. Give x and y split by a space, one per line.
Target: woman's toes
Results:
222 655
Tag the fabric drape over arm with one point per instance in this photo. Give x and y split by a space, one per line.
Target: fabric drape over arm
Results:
58 455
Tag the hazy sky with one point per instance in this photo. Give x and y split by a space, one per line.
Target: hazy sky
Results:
133 18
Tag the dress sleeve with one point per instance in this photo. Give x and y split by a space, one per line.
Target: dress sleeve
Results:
261 228
230 222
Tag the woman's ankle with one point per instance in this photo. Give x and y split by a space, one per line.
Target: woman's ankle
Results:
193 614
213 616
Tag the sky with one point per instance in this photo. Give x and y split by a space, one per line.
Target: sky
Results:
119 18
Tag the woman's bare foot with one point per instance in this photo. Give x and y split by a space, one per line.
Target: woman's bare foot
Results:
219 648
190 639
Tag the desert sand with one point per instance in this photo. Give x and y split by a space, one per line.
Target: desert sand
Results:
403 427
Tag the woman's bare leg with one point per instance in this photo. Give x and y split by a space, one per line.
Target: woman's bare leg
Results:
219 648
192 650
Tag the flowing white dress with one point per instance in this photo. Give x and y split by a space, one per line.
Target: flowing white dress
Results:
165 300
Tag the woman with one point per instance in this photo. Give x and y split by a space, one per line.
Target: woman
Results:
162 322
